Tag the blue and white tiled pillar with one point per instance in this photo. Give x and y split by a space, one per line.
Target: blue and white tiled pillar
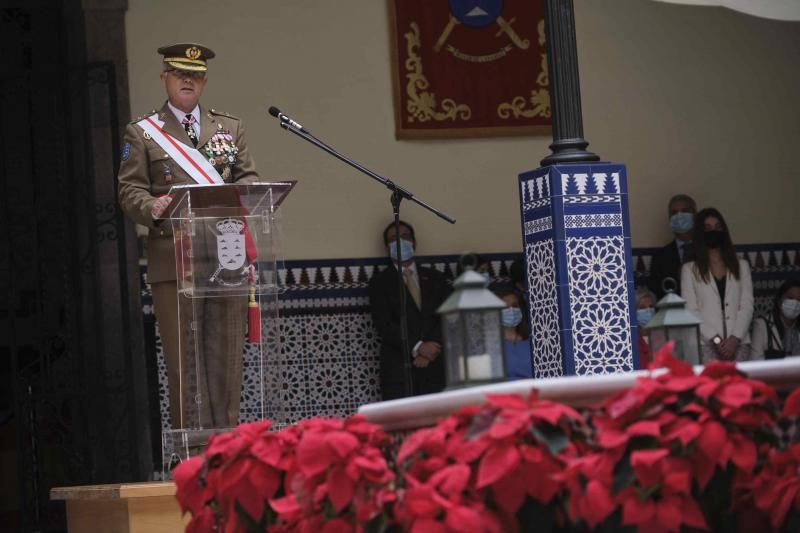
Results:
576 234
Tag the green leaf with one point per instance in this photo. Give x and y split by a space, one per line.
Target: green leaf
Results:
481 422
792 521
623 475
550 436
536 516
248 521
378 524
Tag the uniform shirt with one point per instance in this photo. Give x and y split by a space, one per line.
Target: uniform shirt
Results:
147 172
180 115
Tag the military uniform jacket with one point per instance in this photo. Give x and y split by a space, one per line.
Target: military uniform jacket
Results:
147 172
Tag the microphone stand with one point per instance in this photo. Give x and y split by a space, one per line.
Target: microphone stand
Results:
398 195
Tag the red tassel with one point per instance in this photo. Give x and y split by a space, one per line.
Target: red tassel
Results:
253 319
249 244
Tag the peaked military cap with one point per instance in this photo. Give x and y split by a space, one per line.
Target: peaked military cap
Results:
187 56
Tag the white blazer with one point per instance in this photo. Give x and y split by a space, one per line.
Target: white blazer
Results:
702 299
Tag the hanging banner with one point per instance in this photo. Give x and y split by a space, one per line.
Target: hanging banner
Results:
469 68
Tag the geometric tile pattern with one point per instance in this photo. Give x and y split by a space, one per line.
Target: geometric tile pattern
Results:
606 220
536 204
589 199
588 239
545 338
590 180
324 358
319 290
601 331
538 225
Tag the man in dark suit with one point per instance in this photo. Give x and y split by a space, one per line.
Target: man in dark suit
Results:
668 260
426 289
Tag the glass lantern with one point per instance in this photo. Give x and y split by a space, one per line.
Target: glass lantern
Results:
673 322
473 333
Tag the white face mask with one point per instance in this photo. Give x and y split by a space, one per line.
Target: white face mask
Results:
790 308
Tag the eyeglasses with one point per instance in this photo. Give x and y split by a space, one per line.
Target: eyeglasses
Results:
180 74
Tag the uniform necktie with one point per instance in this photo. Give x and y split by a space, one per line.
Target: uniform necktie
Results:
413 288
188 124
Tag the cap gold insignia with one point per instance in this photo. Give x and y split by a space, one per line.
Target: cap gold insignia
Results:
193 52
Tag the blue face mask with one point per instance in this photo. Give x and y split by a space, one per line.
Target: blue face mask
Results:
511 317
406 250
681 222
643 316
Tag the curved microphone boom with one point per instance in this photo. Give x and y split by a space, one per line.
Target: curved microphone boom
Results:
398 194
286 120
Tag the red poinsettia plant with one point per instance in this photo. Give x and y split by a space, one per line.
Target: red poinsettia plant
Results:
317 475
670 449
488 468
772 495
676 452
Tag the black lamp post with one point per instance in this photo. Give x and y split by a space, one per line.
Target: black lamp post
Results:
568 146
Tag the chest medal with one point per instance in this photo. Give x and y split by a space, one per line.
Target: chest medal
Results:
221 151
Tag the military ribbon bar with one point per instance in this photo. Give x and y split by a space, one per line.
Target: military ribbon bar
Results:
189 159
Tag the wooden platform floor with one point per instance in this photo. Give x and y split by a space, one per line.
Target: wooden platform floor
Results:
148 507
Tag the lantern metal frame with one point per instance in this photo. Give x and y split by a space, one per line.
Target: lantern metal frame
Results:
672 315
464 310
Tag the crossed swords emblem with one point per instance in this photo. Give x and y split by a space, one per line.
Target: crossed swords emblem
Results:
505 27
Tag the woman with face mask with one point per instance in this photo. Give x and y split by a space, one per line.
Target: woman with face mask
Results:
778 334
718 289
516 335
645 311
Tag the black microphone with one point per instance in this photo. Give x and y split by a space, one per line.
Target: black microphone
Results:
286 120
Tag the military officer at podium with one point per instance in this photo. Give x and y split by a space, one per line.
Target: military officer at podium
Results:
162 149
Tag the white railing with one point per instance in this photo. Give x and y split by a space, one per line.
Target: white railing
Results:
420 411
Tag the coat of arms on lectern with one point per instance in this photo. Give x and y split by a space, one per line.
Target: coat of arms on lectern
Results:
230 244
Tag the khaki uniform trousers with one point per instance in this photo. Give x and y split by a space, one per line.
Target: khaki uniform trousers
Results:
206 366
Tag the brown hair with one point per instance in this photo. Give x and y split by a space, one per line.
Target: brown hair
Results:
727 251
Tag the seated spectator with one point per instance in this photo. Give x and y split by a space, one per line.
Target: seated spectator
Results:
718 289
667 261
426 289
645 310
778 334
516 335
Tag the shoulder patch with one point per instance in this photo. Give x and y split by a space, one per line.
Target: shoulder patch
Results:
126 151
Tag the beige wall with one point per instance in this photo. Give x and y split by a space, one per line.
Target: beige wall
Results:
696 100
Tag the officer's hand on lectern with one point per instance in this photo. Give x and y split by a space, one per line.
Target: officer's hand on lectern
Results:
160 205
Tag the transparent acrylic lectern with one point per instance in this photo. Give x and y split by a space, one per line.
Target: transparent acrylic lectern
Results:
227 253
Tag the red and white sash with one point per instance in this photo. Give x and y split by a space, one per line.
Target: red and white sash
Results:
188 158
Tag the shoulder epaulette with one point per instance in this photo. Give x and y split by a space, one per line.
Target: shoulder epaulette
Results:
223 113
142 117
